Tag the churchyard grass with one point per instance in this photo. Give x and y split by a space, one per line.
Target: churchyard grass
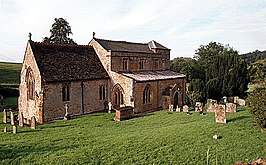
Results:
155 138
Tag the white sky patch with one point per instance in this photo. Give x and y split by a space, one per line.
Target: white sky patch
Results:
181 25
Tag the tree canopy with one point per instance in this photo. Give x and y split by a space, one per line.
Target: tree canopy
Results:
215 71
60 32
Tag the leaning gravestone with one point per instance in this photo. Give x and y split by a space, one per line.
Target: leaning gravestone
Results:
33 123
4 116
230 107
185 108
20 119
171 108
220 114
5 129
12 118
198 107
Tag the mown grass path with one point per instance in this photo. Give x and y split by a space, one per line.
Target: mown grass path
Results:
157 138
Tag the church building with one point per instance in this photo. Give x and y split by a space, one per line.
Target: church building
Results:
86 78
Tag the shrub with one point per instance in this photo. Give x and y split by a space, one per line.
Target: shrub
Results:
256 103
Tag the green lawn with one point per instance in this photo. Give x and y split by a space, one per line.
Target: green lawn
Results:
9 73
157 138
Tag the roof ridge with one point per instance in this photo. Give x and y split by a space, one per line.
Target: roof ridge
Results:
59 44
121 41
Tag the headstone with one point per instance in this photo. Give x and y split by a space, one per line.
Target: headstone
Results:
4 116
20 120
67 116
14 129
225 99
220 114
33 123
171 108
5 129
236 99
185 108
177 109
109 107
241 102
211 105
230 107
12 119
198 107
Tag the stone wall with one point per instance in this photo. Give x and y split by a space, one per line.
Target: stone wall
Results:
27 106
54 107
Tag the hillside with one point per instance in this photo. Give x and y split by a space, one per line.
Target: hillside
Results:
9 73
157 138
254 56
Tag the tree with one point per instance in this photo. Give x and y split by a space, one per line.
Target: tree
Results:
59 32
223 72
256 103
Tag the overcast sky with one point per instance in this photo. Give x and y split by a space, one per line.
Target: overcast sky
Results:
181 25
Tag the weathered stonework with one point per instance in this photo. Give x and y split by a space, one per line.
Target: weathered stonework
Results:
185 108
211 105
198 107
220 114
230 107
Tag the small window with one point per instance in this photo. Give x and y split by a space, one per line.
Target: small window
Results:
65 92
102 92
125 64
141 64
30 84
147 95
156 63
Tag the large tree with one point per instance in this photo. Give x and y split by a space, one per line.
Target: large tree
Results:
60 32
226 73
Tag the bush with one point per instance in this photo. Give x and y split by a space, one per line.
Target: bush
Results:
256 103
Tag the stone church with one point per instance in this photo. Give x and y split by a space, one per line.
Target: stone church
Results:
85 78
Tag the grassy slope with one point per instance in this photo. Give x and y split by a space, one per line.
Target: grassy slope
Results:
158 138
9 73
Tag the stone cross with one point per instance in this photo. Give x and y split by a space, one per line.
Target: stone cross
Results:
109 107
67 116
33 123
185 108
171 108
12 118
4 116
20 119
177 109
14 129
230 107
220 114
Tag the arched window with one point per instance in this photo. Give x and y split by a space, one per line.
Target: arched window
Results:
65 92
30 84
118 96
147 95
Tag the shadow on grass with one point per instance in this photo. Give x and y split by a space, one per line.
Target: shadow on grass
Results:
142 115
55 126
237 118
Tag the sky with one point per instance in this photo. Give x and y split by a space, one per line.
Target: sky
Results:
180 25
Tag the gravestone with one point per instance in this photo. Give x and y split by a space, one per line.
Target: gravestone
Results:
12 119
4 116
109 107
230 107
33 123
124 113
177 109
241 102
14 129
236 99
220 114
67 116
185 108
171 108
198 107
20 120
5 129
211 105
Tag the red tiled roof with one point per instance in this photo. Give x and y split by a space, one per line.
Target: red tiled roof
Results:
66 62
